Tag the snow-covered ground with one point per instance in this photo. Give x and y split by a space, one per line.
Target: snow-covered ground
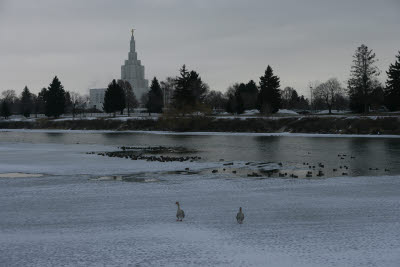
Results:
334 111
66 219
287 111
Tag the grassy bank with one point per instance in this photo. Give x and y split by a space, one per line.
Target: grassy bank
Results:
332 125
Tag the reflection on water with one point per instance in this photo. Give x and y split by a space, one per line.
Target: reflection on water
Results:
361 153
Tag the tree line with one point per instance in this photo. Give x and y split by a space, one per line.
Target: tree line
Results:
52 101
188 93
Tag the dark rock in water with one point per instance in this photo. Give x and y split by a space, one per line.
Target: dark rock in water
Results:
309 175
233 171
254 174
344 173
186 169
280 164
228 164
335 170
214 171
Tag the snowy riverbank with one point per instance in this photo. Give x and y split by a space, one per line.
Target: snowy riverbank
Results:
285 134
354 125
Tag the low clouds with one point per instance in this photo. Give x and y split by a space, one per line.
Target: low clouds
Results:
85 42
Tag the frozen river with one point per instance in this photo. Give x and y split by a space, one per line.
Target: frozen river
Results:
69 217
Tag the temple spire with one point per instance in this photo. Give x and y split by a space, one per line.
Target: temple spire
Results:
133 71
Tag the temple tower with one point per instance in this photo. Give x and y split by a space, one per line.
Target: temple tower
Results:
133 72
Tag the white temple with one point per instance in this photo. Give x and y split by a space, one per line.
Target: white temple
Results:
133 72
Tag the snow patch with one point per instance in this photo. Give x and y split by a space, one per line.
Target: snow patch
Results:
19 175
287 111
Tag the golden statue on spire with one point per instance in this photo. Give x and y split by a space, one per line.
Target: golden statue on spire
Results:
133 31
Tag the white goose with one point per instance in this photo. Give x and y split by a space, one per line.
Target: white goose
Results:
180 214
240 216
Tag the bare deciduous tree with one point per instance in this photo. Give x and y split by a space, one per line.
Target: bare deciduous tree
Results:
9 96
328 92
77 103
168 88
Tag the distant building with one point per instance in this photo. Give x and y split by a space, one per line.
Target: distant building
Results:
96 98
133 72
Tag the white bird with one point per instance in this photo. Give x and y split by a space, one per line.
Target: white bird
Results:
180 214
240 216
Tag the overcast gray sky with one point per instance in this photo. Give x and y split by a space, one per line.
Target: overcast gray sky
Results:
84 43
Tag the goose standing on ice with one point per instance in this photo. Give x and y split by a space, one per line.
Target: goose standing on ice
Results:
180 214
240 216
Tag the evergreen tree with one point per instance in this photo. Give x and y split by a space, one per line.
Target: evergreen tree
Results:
130 98
182 92
304 103
269 97
230 95
239 108
392 90
114 98
5 109
235 103
155 99
198 89
26 102
231 104
40 103
54 99
190 90
249 94
363 79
